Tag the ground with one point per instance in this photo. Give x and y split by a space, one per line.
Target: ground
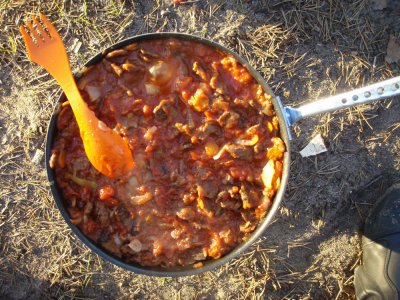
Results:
305 50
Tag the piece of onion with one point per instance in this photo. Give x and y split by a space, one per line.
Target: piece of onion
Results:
135 245
151 89
93 92
117 240
248 142
160 71
132 184
141 199
268 173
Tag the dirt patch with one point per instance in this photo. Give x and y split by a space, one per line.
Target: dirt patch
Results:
304 49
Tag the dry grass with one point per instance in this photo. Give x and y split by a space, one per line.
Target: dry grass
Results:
305 50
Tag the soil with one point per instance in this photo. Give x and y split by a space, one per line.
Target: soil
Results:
305 50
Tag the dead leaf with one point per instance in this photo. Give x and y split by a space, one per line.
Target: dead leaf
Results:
393 50
378 4
314 147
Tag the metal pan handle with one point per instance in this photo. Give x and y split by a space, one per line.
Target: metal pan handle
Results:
376 91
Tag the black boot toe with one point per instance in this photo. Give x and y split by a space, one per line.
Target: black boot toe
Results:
379 275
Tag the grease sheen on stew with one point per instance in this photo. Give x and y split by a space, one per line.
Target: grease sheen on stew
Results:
206 146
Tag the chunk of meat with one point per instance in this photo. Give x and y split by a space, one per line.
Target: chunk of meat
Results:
226 201
229 119
277 150
199 100
186 213
247 227
238 72
250 198
64 118
165 109
102 213
217 84
150 133
207 189
88 208
106 192
215 247
223 196
112 247
241 103
240 151
176 178
210 128
221 104
199 70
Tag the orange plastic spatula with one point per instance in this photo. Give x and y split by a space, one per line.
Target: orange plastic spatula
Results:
106 149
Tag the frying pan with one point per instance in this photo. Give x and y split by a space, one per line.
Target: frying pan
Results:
287 117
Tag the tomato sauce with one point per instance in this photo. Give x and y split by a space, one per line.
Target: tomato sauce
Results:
206 146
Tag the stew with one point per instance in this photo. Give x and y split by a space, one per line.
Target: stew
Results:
206 147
